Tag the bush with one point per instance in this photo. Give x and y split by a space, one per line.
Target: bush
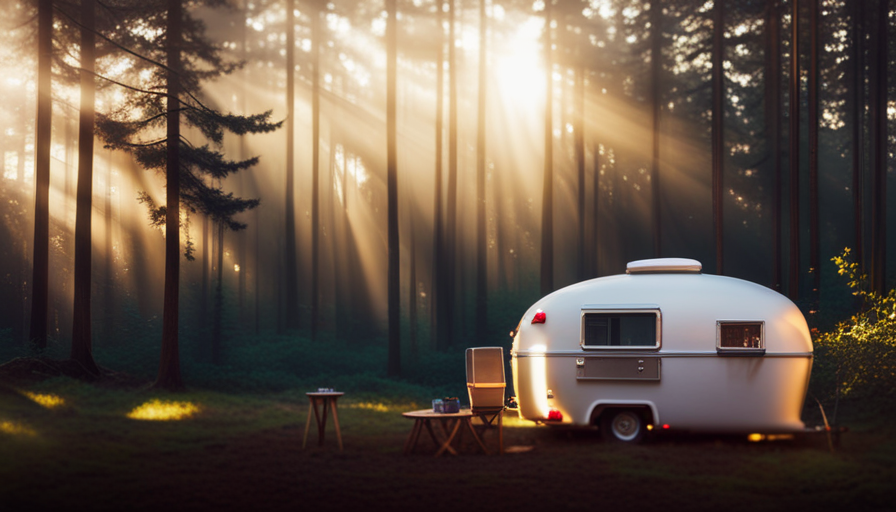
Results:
856 360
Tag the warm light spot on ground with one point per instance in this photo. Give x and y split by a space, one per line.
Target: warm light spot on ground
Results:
9 427
769 437
378 407
48 401
512 420
157 410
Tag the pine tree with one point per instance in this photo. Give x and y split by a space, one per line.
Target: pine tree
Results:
793 290
394 297
39 279
481 220
190 170
81 350
718 125
439 287
547 204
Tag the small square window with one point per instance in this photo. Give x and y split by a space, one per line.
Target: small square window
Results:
740 337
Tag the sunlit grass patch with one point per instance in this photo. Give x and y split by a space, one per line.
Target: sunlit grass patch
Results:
46 400
16 429
157 410
513 420
377 406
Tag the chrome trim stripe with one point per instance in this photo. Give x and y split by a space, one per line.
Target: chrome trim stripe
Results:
708 353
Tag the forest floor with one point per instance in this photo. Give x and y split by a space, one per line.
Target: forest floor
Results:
70 445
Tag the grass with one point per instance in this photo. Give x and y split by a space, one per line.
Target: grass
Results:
243 451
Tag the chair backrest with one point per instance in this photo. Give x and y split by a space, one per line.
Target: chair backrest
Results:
485 377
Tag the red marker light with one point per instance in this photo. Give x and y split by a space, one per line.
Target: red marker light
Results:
555 415
666 426
540 317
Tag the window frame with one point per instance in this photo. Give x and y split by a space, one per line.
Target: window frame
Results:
622 310
740 351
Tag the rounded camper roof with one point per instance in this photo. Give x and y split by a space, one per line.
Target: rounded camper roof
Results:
691 304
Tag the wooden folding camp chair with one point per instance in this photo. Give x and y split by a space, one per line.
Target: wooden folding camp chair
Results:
486 385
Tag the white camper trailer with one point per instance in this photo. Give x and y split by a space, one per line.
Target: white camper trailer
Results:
667 347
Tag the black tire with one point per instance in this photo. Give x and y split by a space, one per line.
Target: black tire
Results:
625 426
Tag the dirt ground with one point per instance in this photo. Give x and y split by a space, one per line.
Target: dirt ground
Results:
269 471
109 467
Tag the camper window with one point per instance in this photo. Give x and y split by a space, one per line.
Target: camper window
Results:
740 337
621 329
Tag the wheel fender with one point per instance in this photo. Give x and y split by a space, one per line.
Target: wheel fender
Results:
599 406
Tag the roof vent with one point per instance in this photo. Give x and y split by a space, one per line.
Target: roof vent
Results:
663 265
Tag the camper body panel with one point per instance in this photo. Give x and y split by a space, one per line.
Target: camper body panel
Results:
687 382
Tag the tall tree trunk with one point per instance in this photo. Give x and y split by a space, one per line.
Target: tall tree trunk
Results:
218 315
394 364
109 257
82 352
257 267
595 234
579 144
857 96
451 221
412 288
655 71
206 264
20 158
336 189
814 243
547 203
292 279
340 296
61 229
41 260
346 240
331 257
241 268
878 120
481 217
439 286
169 365
794 268
718 125
315 172
242 237
772 127
19 309
499 207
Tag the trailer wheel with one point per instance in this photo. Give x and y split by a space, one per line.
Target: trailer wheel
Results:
622 426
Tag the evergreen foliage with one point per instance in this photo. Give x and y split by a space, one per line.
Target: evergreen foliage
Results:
137 125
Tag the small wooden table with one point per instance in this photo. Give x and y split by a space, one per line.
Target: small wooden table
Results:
328 401
450 424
